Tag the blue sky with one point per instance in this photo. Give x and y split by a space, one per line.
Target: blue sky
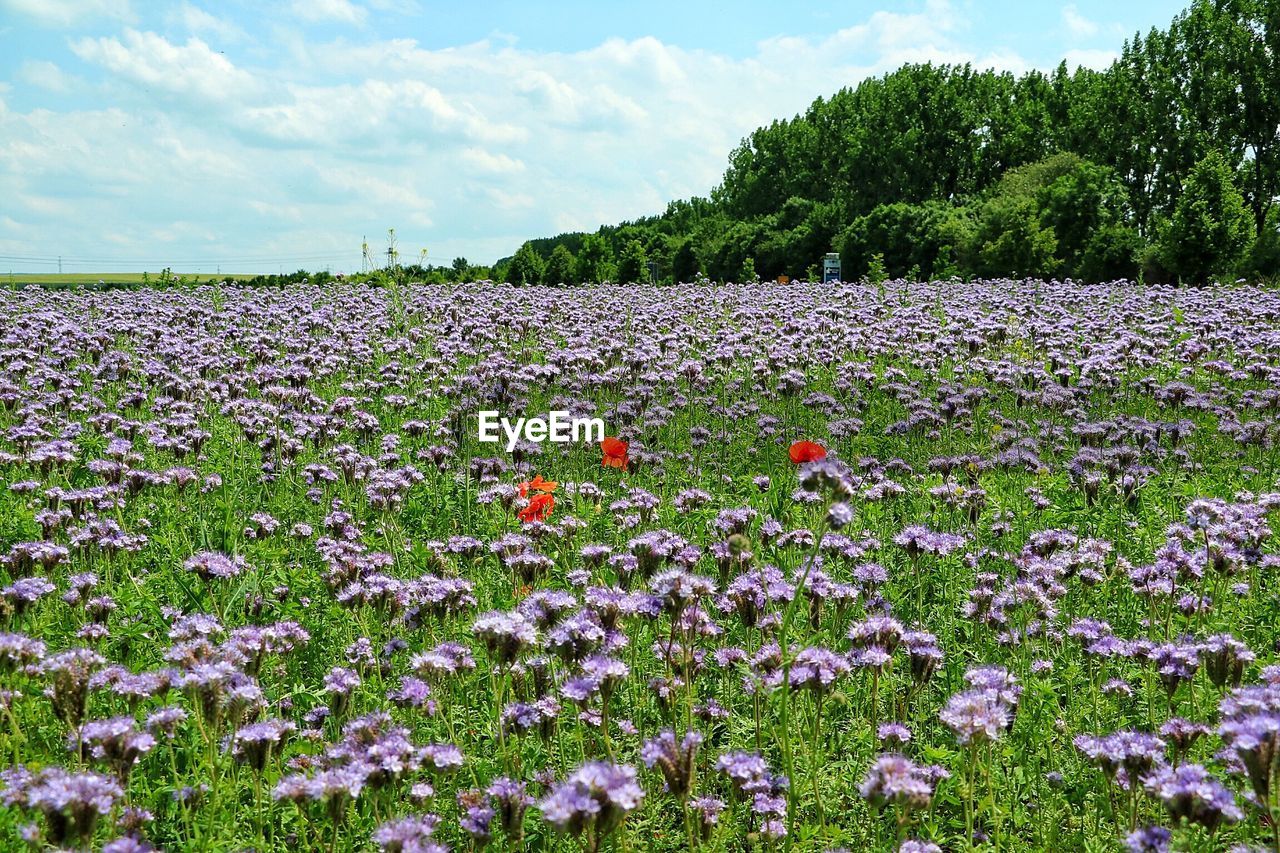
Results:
258 136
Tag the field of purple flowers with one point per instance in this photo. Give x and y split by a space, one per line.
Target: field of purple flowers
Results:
261 587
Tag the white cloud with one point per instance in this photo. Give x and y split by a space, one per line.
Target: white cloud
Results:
147 59
340 11
468 149
45 75
489 163
68 13
1077 24
1095 59
193 19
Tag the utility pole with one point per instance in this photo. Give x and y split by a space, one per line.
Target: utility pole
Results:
59 264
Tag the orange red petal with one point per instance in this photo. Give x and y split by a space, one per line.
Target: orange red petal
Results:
806 451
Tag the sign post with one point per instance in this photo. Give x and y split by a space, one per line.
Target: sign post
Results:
831 267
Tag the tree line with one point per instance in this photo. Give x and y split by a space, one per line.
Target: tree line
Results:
1164 167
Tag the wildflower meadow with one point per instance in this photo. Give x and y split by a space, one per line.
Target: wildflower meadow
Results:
918 567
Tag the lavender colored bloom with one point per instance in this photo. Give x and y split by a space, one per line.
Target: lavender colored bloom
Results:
511 799
817 669
68 674
19 650
1255 740
114 741
976 716
127 844
595 798
1133 752
896 780
893 734
917 539
675 760
506 635
409 835
1190 792
912 845
1225 659
210 565
476 815
71 803
254 745
1149 839
750 774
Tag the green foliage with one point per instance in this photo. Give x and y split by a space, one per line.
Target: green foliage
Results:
1010 238
947 170
1086 207
1111 254
748 272
594 261
560 267
1263 261
684 264
1210 229
526 266
633 266
875 270
928 237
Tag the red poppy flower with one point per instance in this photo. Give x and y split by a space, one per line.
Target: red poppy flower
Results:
537 484
806 451
539 508
615 453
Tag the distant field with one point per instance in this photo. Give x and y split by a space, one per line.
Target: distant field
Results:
107 277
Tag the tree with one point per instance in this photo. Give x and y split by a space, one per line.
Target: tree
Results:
1111 254
1263 262
1209 231
560 267
634 264
948 170
594 261
526 266
1077 205
1014 243
461 269
684 265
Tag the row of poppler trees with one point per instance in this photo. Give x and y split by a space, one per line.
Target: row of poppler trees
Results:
1165 165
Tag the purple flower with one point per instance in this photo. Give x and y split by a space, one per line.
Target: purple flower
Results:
595 797
976 716
1149 839
917 539
896 780
253 745
1133 752
505 635
409 835
210 565
1255 740
1190 792
71 803
114 741
512 800
893 734
675 760
1225 659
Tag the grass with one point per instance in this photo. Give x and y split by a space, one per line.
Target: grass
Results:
326 438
